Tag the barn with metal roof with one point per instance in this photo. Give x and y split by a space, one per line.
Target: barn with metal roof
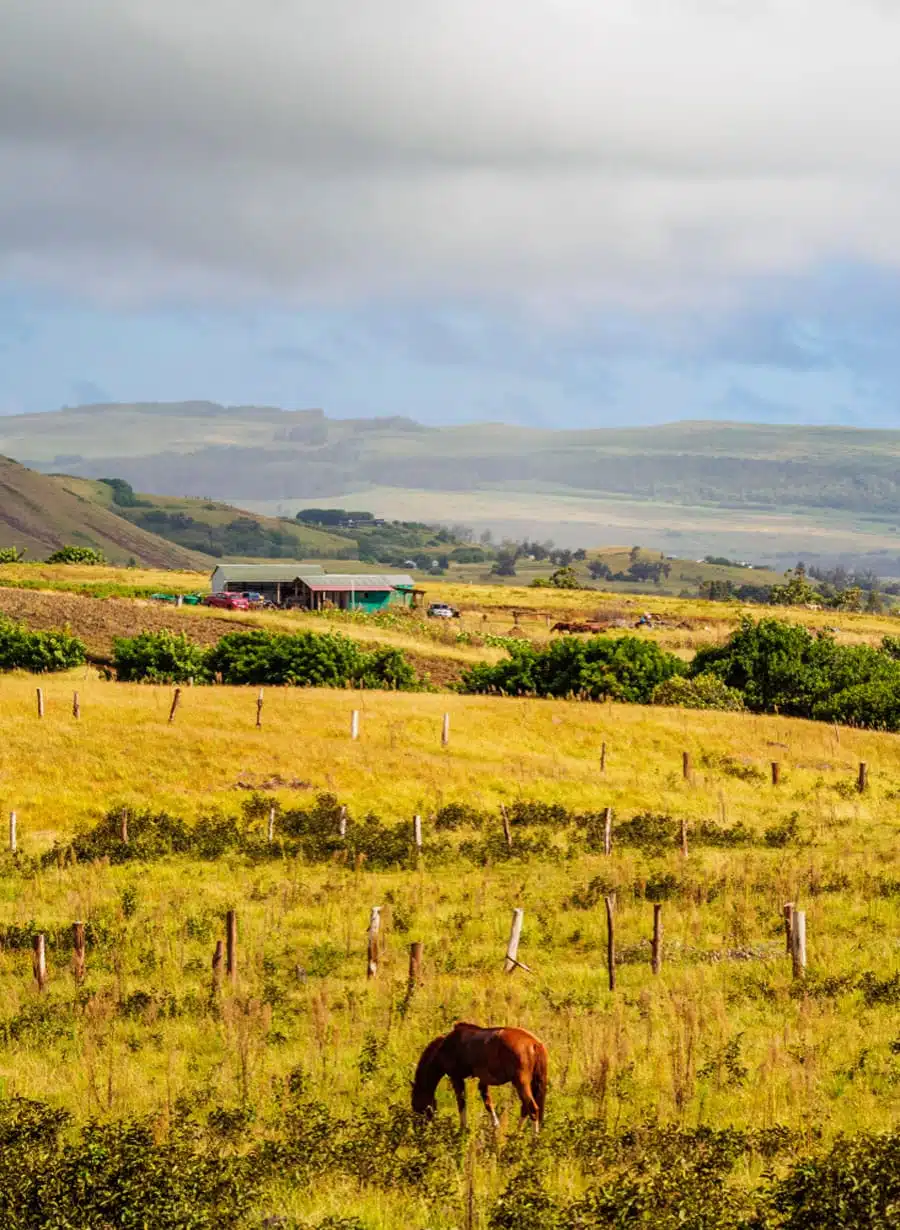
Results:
307 585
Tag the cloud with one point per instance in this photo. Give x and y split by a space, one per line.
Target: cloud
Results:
550 153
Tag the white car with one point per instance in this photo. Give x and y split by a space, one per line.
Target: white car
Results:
441 610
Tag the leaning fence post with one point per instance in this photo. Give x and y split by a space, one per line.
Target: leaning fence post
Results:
656 943
788 912
602 757
798 943
417 832
218 958
374 925
607 831
862 779
512 948
123 827
270 833
12 832
445 730
76 706
776 772
259 705
39 960
354 724
611 940
686 766
78 951
342 822
231 945
40 702
507 832
175 699
684 837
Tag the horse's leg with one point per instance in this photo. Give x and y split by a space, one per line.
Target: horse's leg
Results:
459 1088
488 1104
530 1109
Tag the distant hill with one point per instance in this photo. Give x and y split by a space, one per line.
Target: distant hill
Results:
262 453
41 514
210 526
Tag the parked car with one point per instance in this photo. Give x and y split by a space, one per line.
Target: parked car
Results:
227 602
257 600
442 610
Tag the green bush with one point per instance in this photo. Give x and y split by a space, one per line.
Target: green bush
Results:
856 1186
307 659
40 652
706 691
624 668
76 555
11 555
158 657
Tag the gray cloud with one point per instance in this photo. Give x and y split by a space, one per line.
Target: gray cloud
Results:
641 151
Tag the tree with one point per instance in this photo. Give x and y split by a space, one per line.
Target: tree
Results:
505 564
796 590
76 555
12 555
565 578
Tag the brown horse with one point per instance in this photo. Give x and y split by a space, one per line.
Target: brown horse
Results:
498 1056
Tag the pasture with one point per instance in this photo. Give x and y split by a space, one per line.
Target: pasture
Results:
302 1047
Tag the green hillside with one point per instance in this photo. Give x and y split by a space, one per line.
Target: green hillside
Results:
211 526
39 514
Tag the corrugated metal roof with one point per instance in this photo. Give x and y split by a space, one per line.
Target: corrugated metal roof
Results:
364 581
267 572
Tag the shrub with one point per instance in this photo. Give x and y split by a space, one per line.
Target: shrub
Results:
601 668
705 691
38 651
158 657
856 1186
76 555
11 555
307 659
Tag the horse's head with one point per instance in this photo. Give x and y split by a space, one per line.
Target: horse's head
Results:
428 1075
423 1101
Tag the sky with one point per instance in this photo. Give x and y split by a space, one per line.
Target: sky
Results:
545 212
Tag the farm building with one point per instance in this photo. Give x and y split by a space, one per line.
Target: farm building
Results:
274 581
348 592
306 585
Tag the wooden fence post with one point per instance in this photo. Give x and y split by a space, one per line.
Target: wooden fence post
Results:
798 943
374 926
217 961
13 845
788 912
684 839
123 827
862 779
607 831
507 832
354 724
175 699
776 772
417 832
415 964
270 832
602 757
686 766
40 702
259 705
445 730
656 942
76 706
231 945
342 822
39 960
515 933
611 940
78 951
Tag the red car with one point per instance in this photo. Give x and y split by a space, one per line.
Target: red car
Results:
227 602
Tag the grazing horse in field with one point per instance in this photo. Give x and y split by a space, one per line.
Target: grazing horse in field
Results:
500 1056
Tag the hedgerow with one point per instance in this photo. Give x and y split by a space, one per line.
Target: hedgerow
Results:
159 657
39 652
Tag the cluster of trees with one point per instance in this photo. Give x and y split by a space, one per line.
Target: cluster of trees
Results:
241 536
767 667
796 590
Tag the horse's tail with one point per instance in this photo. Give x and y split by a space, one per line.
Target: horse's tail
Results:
539 1079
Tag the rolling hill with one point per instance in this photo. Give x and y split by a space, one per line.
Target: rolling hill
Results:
766 492
40 514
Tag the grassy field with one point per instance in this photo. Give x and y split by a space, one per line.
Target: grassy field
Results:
722 1038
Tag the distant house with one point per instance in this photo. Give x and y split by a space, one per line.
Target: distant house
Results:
308 586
